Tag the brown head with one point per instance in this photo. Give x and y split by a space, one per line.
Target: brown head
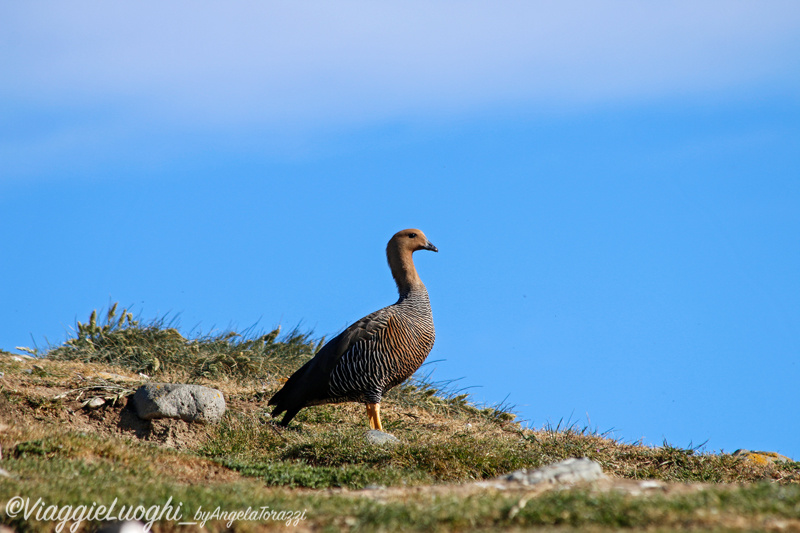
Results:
398 252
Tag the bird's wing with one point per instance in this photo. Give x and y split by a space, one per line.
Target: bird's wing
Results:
364 329
310 382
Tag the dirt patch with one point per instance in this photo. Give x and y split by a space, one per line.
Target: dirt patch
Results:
41 391
27 407
41 398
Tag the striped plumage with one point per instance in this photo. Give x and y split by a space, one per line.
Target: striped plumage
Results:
376 353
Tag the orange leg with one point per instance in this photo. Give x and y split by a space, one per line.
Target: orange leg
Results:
374 416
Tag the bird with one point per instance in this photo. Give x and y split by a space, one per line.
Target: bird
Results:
374 354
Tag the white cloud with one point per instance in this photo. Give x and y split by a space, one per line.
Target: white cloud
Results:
326 62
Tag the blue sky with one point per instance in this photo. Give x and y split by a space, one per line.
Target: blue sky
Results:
614 189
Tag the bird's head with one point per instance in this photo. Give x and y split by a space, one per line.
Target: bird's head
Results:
411 240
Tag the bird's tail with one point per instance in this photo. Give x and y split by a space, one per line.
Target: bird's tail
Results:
290 398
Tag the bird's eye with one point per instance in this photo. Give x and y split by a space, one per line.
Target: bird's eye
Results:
412 235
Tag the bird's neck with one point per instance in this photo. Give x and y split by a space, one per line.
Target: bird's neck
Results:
404 272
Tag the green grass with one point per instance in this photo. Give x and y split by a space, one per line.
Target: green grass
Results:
70 470
317 463
242 442
459 456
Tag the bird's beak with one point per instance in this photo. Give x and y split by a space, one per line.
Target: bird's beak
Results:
429 246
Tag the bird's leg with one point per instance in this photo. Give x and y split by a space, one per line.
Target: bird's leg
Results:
374 416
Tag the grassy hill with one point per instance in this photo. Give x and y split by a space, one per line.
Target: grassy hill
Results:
58 448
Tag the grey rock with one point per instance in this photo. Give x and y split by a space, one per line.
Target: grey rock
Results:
192 403
567 471
762 458
379 438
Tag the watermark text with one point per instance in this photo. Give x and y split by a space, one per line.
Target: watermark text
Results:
75 515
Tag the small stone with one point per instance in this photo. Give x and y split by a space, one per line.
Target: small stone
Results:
648 484
130 526
568 471
762 458
95 402
192 403
378 437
